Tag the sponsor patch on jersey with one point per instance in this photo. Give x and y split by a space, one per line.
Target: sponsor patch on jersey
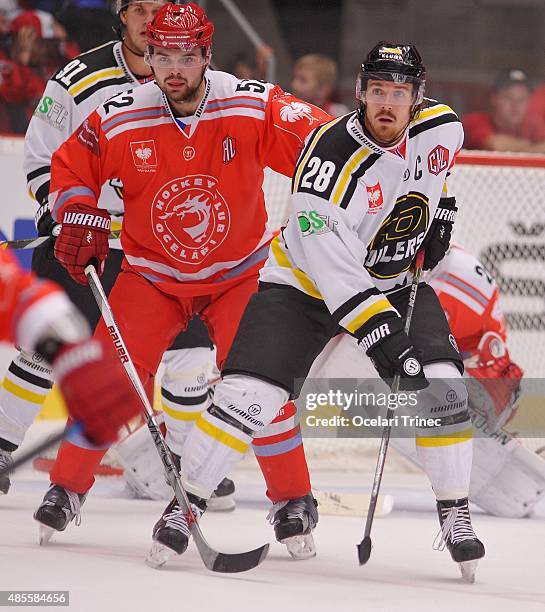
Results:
144 155
313 223
295 111
88 137
229 148
52 112
374 198
190 217
438 160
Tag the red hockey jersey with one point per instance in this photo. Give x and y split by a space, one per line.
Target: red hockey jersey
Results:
195 218
23 301
470 297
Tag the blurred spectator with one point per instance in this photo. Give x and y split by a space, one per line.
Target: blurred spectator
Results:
244 68
90 22
314 79
508 126
536 113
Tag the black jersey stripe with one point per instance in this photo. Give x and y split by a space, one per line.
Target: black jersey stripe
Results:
43 383
38 172
432 123
42 193
87 93
184 400
358 173
303 153
353 302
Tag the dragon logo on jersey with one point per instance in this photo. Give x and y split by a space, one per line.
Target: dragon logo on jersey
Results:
374 198
190 217
293 111
144 155
438 160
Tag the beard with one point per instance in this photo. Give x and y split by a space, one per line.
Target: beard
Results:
189 93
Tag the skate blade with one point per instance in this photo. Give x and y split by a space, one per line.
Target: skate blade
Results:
221 504
158 555
45 534
468 569
301 547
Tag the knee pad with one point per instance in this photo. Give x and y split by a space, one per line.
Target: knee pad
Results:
445 398
250 402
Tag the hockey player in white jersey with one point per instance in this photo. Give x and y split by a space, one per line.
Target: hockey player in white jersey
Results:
369 191
70 95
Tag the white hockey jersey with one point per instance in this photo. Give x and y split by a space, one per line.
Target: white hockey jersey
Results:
360 212
70 96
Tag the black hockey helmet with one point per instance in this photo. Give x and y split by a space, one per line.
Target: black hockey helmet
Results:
400 63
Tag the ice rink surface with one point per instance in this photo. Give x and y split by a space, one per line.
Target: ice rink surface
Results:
101 562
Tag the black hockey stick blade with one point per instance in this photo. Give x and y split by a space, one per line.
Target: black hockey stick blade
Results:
231 563
364 550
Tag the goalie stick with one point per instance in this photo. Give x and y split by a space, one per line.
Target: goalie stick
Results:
214 560
39 241
364 547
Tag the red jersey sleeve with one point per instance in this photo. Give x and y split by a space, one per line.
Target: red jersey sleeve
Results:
19 292
79 167
289 121
477 128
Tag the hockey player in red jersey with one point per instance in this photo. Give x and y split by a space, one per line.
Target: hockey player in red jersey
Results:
190 150
38 316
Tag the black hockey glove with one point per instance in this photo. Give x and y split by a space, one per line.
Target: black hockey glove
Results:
389 348
437 240
45 224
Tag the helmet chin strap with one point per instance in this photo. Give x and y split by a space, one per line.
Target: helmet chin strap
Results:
126 46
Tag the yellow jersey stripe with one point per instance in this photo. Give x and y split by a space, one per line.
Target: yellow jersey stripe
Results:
180 415
282 260
315 141
25 394
428 113
370 311
455 438
93 78
222 436
357 158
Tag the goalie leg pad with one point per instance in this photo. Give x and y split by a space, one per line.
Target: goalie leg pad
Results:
222 434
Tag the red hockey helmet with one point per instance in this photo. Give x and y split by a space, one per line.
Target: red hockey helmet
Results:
180 27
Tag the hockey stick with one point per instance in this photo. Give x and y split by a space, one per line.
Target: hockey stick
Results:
39 241
213 560
364 547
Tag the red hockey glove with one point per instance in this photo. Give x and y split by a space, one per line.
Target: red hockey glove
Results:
96 390
495 390
83 238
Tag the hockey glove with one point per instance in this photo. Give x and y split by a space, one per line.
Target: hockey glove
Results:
389 348
45 224
83 239
96 390
437 240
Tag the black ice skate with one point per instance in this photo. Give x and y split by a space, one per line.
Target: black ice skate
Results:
223 498
6 461
171 533
59 507
293 522
458 536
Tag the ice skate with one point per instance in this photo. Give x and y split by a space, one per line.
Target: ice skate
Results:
458 536
222 499
59 507
6 461
293 522
171 533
